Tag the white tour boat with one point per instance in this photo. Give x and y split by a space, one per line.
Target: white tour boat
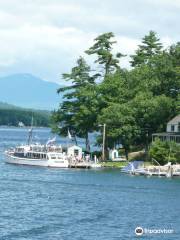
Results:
37 155
48 155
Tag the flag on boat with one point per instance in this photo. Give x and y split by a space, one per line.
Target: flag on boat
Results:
69 134
51 141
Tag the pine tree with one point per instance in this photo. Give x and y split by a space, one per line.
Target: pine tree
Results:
103 47
150 47
75 112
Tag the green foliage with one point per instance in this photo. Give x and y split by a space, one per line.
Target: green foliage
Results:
150 47
103 47
110 164
78 111
149 111
132 103
121 125
165 152
12 117
178 104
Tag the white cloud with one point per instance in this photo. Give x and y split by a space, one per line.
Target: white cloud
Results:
168 3
46 37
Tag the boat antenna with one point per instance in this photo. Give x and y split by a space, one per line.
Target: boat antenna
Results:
156 161
30 131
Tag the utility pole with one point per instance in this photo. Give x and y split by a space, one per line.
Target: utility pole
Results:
104 140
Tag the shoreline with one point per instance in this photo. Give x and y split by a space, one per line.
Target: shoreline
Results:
25 127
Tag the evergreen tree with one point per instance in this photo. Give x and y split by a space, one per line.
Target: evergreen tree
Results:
76 113
150 46
121 125
132 103
103 47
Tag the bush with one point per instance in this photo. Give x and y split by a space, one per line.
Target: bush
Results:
165 152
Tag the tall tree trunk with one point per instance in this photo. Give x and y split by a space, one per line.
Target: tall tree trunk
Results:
87 143
126 152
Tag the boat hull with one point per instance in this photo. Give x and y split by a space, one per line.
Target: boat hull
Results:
37 162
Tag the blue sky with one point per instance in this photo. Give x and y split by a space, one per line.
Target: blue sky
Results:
45 37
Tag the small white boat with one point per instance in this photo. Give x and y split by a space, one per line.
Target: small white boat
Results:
37 155
167 170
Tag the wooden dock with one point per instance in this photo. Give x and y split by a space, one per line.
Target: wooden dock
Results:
80 165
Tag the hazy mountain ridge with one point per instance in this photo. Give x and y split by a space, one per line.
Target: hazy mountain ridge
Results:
7 106
4 105
28 91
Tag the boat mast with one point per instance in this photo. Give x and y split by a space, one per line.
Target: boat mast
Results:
30 132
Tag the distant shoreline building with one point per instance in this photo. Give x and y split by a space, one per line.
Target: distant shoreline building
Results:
172 131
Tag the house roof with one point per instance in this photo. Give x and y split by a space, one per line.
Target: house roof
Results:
175 120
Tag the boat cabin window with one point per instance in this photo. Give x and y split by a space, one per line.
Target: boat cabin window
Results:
36 155
19 149
53 156
59 156
59 161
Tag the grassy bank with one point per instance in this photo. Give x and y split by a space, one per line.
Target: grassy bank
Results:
111 164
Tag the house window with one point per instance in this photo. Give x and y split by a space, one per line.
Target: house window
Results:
179 127
172 128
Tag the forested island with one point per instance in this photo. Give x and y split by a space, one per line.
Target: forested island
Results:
15 116
133 103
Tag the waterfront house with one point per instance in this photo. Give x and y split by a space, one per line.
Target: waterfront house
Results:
172 131
173 126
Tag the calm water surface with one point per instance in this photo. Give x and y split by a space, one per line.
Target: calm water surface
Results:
41 203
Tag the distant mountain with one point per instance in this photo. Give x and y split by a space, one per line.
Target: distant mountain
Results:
4 105
28 91
7 106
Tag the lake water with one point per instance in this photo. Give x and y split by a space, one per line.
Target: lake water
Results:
42 203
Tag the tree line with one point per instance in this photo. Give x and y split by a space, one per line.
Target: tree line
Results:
12 117
133 103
